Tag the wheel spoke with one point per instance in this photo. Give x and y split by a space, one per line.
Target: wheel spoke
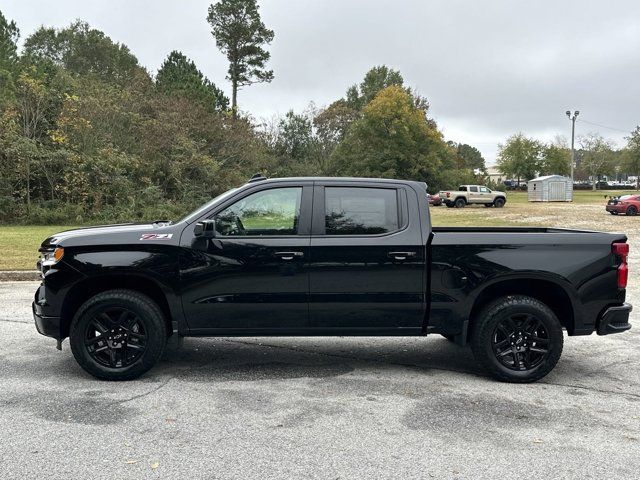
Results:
541 342
505 352
101 325
513 327
538 350
92 341
500 345
516 361
112 357
135 346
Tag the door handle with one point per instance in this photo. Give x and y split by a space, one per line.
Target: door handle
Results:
289 255
401 255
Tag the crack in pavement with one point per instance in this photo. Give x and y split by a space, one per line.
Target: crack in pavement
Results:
141 395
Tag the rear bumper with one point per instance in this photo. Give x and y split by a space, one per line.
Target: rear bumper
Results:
616 208
615 320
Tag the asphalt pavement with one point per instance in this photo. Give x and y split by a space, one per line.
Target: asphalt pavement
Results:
322 408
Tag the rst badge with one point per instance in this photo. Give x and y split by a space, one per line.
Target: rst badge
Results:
156 236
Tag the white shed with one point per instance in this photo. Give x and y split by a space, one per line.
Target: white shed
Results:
550 188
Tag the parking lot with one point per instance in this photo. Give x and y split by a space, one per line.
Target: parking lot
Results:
323 407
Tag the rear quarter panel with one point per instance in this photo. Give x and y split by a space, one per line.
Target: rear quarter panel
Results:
464 264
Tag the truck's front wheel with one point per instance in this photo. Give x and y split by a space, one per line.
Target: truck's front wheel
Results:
517 339
118 335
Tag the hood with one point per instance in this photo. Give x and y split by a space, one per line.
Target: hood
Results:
124 233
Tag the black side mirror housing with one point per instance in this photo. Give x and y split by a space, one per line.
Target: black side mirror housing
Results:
205 229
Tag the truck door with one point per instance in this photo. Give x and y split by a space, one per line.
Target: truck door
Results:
367 259
254 273
474 195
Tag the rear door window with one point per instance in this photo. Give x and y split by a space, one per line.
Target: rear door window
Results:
361 211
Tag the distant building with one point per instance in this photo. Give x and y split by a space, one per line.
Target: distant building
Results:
550 188
496 175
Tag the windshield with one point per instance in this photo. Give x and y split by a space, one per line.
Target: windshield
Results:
196 213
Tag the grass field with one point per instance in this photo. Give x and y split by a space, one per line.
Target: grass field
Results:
19 244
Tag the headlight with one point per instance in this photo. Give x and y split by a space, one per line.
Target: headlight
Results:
52 256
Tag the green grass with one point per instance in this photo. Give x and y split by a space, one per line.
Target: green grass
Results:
19 245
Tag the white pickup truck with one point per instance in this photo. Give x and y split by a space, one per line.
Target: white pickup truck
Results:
468 194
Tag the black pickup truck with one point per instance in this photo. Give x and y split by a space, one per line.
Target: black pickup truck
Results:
328 256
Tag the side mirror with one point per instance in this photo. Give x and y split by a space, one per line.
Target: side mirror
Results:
205 228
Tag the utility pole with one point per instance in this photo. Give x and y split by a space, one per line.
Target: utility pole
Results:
573 133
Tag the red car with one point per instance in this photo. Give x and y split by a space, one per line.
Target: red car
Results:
627 204
434 199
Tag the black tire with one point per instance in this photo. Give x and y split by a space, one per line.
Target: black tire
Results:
528 355
613 213
632 211
488 205
449 205
460 202
499 202
118 335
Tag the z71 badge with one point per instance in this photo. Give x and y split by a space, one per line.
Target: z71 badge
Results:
156 236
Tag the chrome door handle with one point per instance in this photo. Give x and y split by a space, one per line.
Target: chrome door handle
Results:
289 255
401 255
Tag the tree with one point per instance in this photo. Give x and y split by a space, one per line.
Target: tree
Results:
393 139
467 156
9 34
83 50
519 157
375 80
556 158
597 155
240 34
632 155
179 76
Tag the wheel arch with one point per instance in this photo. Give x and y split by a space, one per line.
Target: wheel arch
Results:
551 293
87 288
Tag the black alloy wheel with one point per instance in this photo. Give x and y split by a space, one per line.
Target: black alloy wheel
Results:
118 334
520 342
632 211
517 339
115 337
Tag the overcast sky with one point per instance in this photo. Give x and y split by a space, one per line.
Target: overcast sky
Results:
488 68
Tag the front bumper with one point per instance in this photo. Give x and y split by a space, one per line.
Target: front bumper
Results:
615 319
45 324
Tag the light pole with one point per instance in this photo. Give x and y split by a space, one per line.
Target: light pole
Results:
573 133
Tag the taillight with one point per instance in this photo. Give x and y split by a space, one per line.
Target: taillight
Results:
621 250
448 194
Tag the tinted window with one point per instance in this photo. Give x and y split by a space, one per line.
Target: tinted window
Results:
473 189
462 188
360 211
268 212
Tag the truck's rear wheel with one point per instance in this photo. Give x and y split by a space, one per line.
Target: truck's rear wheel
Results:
499 202
517 339
118 335
460 202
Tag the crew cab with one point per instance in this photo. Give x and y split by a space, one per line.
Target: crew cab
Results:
470 194
328 256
